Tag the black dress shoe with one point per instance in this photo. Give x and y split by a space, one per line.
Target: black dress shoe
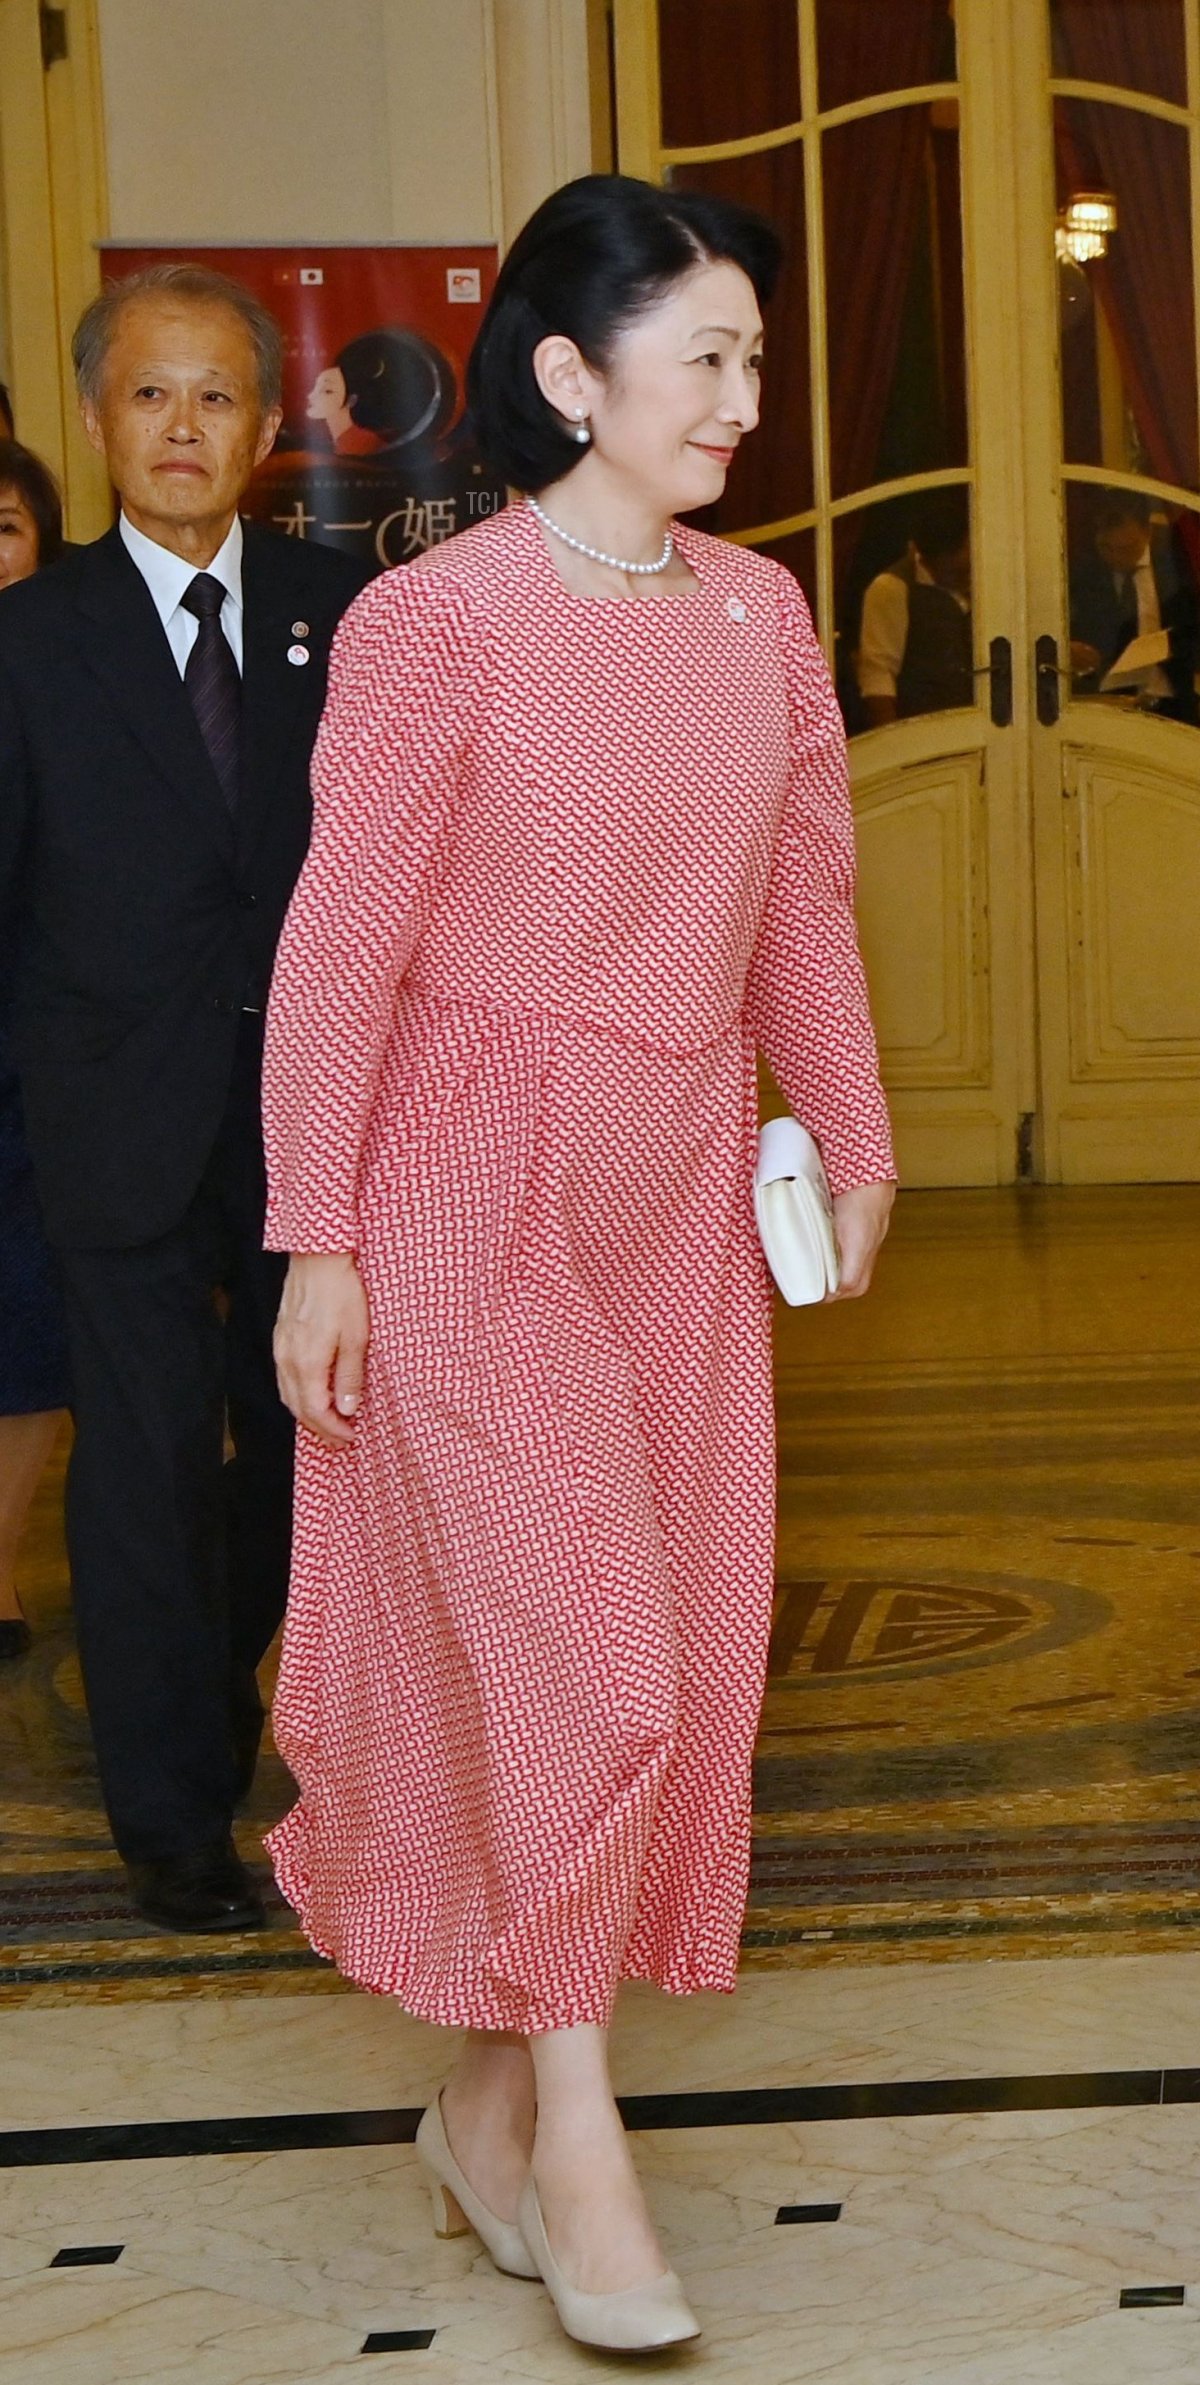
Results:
16 1639
209 1889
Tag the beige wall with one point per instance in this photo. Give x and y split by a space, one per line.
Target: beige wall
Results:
345 120
218 121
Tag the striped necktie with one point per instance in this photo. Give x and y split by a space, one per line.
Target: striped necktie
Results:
214 683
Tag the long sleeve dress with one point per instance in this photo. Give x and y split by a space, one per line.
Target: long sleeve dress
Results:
573 860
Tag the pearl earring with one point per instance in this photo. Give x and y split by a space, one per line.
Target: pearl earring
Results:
582 432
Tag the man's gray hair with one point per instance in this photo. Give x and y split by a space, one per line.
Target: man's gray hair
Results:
97 324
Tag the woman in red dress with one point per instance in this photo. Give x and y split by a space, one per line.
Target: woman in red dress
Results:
582 843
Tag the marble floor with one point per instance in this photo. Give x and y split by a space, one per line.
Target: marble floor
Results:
916 2174
947 2133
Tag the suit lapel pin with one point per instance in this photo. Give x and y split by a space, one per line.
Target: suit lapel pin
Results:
297 654
299 629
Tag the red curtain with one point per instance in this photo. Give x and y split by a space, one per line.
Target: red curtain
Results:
874 190
728 68
1145 282
947 184
1140 45
874 176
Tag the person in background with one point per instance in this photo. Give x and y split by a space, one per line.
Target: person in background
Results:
916 651
159 695
33 1355
1136 580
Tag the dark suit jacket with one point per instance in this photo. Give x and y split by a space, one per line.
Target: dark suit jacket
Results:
143 918
1098 619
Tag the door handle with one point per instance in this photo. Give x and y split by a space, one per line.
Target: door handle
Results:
1001 672
998 670
1047 675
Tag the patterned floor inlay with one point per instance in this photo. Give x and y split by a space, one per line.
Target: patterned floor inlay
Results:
400 2339
982 1734
87 2256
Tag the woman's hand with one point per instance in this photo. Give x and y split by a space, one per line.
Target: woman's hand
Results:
321 1343
861 1218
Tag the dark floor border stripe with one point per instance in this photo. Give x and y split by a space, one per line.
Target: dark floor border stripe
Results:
833 1935
751 2107
183 1966
968 1930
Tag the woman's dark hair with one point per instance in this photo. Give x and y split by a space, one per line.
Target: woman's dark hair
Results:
22 470
397 384
595 256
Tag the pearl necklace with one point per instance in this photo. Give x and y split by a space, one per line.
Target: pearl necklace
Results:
596 553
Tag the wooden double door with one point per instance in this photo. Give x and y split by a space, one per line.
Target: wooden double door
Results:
979 454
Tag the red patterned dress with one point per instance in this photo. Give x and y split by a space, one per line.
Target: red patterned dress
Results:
573 859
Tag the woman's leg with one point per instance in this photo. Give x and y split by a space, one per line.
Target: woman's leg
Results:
488 2108
595 2212
593 2207
25 1445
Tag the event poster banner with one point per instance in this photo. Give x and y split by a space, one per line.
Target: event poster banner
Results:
374 454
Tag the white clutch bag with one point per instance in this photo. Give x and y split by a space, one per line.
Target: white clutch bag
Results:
794 1209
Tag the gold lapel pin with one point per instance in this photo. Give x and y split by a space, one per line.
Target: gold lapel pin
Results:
299 629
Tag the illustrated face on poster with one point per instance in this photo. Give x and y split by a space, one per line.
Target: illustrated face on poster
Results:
374 455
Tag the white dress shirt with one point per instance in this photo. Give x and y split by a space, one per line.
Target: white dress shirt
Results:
884 633
168 578
1149 612
1146 591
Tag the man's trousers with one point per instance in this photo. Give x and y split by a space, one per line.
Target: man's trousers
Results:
179 1557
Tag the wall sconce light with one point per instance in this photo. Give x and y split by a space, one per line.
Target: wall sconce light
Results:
1085 227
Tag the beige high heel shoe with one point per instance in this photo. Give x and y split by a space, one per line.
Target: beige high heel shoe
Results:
457 2209
642 2319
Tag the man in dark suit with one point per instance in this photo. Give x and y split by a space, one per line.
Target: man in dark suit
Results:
1135 582
159 695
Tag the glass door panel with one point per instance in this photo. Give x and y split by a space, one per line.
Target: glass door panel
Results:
729 69
797 551
903 592
865 49
894 283
1140 45
1129 346
1131 578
